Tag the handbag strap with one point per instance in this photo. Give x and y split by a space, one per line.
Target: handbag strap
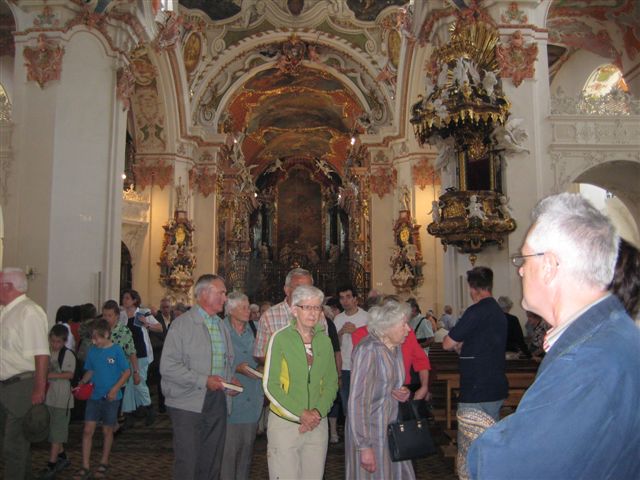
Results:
414 412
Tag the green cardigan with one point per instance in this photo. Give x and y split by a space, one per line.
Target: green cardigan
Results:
289 383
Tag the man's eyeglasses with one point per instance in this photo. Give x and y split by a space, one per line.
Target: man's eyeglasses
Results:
518 260
310 308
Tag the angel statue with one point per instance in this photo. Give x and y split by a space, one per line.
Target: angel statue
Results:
504 207
489 82
475 208
460 72
435 211
511 136
277 165
446 152
411 252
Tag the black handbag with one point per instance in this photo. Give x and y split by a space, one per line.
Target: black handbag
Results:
409 438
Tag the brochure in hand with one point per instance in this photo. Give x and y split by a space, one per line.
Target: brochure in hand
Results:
231 386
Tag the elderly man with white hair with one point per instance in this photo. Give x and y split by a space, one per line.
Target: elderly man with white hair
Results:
24 364
197 368
580 417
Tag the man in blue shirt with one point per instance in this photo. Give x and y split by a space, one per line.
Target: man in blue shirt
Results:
480 338
580 417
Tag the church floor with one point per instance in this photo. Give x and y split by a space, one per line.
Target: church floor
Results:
146 453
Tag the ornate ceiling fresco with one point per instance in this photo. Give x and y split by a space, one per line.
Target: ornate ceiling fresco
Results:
297 93
582 24
308 116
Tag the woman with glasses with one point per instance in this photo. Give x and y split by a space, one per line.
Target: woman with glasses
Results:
301 381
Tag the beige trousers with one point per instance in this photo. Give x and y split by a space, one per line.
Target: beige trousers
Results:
293 455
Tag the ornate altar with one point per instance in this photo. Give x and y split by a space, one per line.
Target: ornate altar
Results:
465 115
406 258
177 259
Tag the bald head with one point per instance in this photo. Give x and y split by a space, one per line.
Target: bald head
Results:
13 283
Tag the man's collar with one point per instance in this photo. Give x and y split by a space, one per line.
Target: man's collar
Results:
354 312
206 315
554 333
15 301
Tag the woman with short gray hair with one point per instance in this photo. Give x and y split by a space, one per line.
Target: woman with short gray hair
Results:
377 375
301 381
242 422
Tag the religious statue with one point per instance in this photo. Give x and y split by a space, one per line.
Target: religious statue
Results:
504 207
264 251
285 253
475 208
334 253
435 211
405 198
312 255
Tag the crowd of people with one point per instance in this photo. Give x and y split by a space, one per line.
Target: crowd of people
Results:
311 359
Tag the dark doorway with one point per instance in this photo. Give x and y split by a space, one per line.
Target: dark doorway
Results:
126 267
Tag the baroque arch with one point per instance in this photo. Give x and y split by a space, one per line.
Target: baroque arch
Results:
620 177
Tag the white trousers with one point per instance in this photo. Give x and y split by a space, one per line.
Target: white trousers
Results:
293 455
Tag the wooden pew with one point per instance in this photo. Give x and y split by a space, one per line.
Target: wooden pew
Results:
520 374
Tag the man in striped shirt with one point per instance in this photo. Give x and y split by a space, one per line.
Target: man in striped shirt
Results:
279 315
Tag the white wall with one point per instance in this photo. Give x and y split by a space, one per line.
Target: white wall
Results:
65 199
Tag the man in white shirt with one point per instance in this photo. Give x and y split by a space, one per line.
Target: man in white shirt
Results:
447 320
346 322
24 363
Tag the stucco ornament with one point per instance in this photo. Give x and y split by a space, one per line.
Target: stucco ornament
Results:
423 174
204 179
126 86
150 172
516 59
44 61
383 180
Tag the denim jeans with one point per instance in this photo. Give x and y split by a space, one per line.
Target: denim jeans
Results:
344 389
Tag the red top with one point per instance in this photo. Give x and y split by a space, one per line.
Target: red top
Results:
75 330
412 353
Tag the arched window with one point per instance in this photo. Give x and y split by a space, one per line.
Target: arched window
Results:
603 80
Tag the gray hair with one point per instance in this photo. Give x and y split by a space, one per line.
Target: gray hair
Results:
254 307
16 277
295 273
384 317
306 292
505 303
234 299
203 283
584 239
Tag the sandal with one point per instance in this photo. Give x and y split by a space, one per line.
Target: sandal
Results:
101 471
82 474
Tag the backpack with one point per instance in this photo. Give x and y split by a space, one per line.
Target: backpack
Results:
78 372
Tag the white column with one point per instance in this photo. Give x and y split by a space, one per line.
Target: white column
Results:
62 217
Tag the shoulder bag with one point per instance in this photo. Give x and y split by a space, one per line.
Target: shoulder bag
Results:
409 438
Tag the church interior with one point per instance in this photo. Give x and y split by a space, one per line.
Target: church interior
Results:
389 144
386 143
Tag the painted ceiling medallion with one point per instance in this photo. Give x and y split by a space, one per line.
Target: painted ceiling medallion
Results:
44 61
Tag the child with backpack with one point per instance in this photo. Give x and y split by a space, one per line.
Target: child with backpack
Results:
59 401
107 368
